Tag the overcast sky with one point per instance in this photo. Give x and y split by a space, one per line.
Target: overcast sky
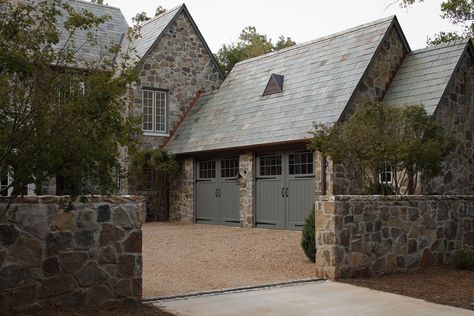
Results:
220 21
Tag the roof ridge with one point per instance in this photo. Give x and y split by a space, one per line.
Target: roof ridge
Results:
320 39
159 16
96 4
457 42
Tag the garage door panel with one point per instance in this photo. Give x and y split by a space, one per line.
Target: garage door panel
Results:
300 201
270 210
207 203
230 203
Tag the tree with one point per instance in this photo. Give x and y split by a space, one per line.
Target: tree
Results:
405 141
251 44
143 17
153 170
159 10
61 115
458 12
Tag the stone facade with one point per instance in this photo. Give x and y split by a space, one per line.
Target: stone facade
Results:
371 88
373 235
180 64
456 113
182 194
247 189
87 257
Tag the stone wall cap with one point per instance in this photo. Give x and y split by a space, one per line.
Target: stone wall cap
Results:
396 197
53 199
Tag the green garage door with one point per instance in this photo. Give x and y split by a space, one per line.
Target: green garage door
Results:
284 190
218 192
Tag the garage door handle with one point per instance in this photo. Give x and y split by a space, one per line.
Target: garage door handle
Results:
219 192
282 192
216 193
286 192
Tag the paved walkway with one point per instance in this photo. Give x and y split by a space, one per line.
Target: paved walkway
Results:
322 298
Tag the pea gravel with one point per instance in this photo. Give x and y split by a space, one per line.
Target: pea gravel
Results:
180 259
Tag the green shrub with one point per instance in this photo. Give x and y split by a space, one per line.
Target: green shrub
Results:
308 240
464 258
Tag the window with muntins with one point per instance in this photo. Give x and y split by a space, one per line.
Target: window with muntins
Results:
154 111
386 176
3 186
229 168
301 163
270 165
207 169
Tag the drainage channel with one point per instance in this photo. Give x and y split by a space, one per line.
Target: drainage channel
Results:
229 291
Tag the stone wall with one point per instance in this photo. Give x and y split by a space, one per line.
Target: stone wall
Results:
372 88
456 114
90 256
373 235
247 187
180 64
182 194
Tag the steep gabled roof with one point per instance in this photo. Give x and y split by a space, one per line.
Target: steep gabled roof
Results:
109 34
320 78
425 74
151 31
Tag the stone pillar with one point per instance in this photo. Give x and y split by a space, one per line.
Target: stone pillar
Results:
326 254
247 180
182 194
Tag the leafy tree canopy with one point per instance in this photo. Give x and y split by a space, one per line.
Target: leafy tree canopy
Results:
153 170
250 44
60 114
142 16
378 138
458 12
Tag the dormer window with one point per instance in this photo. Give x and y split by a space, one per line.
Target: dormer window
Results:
155 111
274 85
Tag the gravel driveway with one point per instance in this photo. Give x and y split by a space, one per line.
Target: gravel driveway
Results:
181 259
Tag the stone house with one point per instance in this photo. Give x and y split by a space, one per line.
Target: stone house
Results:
242 139
243 147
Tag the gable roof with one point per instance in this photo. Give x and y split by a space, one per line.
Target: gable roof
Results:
151 32
109 34
320 78
425 74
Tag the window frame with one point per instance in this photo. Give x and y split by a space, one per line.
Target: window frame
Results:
308 165
154 131
207 170
383 176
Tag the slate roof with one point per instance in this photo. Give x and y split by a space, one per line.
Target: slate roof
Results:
320 77
151 30
109 33
424 75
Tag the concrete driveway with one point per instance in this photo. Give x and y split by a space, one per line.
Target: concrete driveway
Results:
319 298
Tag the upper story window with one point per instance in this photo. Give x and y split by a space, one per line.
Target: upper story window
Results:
154 111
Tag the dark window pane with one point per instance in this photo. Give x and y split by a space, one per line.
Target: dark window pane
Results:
301 163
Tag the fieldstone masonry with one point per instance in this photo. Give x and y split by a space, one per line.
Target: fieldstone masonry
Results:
372 235
87 257
182 194
456 114
371 88
247 187
180 64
